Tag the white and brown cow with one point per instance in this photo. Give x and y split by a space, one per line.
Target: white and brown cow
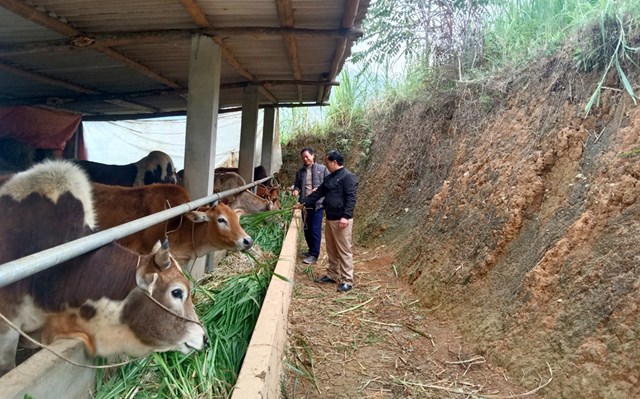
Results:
103 297
157 167
192 235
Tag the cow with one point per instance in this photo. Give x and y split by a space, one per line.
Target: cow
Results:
108 298
190 236
244 200
271 193
259 172
157 167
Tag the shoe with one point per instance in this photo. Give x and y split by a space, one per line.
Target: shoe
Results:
305 254
344 287
309 260
324 279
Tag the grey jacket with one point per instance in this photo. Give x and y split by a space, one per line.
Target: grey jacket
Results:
318 172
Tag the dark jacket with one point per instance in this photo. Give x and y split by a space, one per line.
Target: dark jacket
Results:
318 172
339 190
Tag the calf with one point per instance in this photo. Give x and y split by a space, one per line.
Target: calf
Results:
192 235
108 297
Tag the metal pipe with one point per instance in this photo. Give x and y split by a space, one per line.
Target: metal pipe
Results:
15 270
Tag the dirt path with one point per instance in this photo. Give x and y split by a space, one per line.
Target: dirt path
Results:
376 341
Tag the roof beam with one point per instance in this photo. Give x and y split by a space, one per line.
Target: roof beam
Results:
350 11
31 13
285 15
112 117
118 98
200 19
84 42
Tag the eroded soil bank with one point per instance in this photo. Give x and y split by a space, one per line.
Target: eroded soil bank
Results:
516 218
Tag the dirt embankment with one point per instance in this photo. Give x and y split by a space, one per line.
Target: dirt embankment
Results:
520 219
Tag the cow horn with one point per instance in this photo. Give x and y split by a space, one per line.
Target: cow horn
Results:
162 259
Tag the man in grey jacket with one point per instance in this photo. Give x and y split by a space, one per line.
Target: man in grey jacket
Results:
308 179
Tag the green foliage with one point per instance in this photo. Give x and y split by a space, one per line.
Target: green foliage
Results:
228 309
441 43
299 121
439 32
616 49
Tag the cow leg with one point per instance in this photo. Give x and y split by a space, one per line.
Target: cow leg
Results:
8 347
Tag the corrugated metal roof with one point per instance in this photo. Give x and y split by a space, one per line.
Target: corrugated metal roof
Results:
122 58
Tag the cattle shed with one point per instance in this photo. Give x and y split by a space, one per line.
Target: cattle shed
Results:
120 60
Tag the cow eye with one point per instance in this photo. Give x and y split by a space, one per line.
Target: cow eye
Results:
222 220
177 293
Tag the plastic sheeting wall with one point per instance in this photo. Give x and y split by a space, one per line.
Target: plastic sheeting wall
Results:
124 142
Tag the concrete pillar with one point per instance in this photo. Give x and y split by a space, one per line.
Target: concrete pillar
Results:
202 116
249 126
267 139
202 123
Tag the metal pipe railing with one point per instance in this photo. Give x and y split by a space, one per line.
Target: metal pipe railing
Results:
15 270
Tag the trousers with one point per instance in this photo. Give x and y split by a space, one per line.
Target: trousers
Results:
339 253
313 230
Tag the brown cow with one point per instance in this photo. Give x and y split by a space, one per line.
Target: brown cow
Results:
190 236
157 167
259 173
106 297
271 193
244 200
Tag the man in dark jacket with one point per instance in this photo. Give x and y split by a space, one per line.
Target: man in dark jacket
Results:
308 179
339 190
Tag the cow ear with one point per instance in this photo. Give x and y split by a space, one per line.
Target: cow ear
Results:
197 216
146 281
239 211
163 258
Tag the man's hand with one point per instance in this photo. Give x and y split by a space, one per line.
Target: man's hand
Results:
344 222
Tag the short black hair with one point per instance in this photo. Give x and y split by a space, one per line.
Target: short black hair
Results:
335 155
307 149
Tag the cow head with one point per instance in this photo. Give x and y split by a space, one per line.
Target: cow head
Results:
217 228
161 312
156 316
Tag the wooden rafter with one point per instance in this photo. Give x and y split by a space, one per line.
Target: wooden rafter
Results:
200 19
93 96
285 15
112 117
80 43
196 13
31 13
350 11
